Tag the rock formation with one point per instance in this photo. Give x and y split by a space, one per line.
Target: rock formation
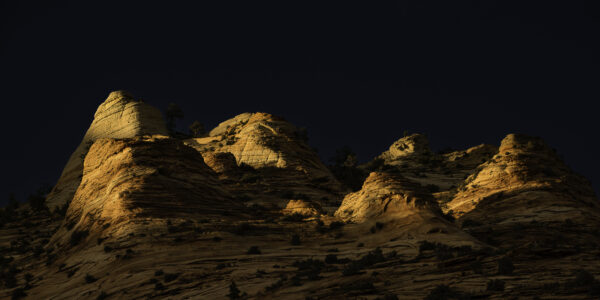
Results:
119 116
412 145
272 157
125 180
526 186
152 217
386 195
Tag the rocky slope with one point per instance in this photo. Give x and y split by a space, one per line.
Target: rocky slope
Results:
272 158
251 212
130 181
119 116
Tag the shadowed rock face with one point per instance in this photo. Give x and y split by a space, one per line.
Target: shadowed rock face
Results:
119 116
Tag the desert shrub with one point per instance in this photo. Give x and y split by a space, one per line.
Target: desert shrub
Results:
432 188
449 216
243 228
335 225
253 250
320 180
495 285
443 292
159 286
37 202
477 267
442 251
250 178
301 196
234 292
89 278
287 195
309 268
102 296
331 259
308 264
426 245
369 259
505 266
77 236
61 211
38 250
72 272
108 249
173 112
10 281
360 285
171 276
583 278
159 272
375 165
350 177
344 168
295 240
128 254
295 217
376 227
18 294
277 284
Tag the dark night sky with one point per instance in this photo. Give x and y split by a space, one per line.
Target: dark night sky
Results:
463 73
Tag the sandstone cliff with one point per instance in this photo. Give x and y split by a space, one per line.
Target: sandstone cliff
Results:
154 217
271 158
128 180
119 116
525 188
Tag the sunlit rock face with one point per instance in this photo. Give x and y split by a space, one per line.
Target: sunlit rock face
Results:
391 204
119 116
414 144
275 152
526 194
412 156
527 166
386 194
125 180
263 140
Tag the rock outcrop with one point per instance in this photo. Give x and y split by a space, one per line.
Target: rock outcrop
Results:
411 145
525 196
523 165
119 116
273 161
386 195
412 157
125 180
262 140
399 207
